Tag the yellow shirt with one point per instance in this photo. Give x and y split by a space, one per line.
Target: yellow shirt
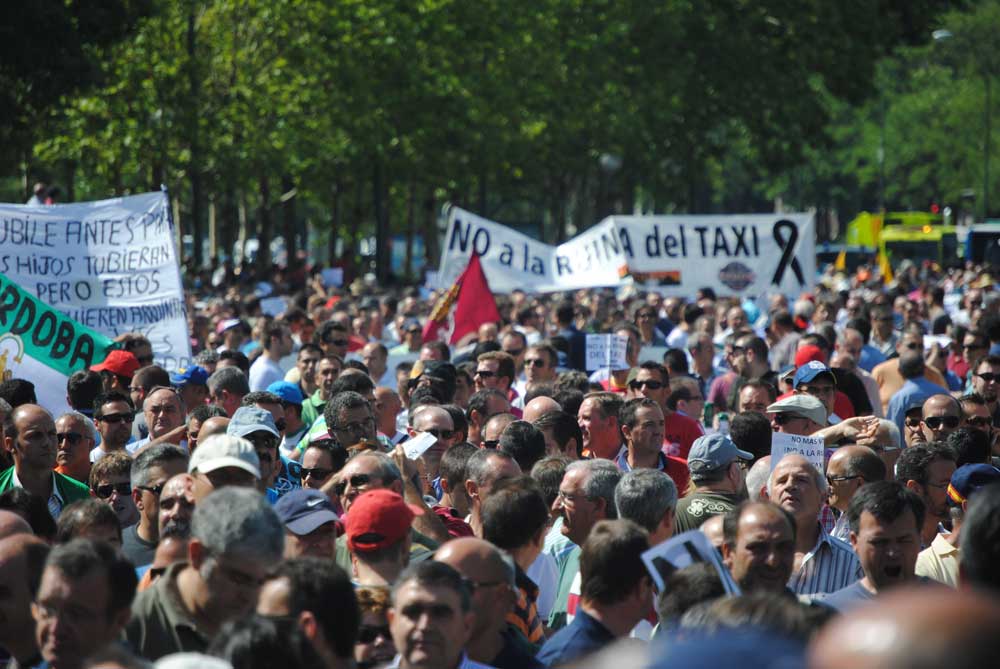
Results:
939 562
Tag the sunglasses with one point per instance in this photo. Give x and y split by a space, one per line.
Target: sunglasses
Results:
913 421
485 373
72 438
281 424
515 352
441 434
978 421
935 422
786 418
154 490
105 491
989 377
491 443
652 385
115 418
315 472
369 633
355 481
534 362
336 342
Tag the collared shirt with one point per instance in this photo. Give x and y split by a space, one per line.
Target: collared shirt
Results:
828 567
55 502
583 636
463 663
160 623
841 529
939 561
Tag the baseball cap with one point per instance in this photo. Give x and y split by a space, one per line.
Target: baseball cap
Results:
411 324
968 479
712 451
803 405
809 353
809 371
378 519
194 375
224 450
303 510
227 324
122 363
248 420
442 371
287 391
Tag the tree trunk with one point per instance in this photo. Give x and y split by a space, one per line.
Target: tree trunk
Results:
382 236
430 231
335 223
411 206
194 164
264 260
288 220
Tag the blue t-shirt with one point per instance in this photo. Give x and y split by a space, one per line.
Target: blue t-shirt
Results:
845 599
581 637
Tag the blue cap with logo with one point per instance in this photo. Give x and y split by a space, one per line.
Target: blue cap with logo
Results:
303 510
193 375
287 391
809 371
712 451
968 479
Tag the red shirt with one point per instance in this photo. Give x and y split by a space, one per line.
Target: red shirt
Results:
679 432
455 525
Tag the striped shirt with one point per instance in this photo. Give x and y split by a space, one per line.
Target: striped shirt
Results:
828 567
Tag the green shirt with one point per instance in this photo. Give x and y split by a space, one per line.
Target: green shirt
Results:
312 408
557 617
160 624
699 506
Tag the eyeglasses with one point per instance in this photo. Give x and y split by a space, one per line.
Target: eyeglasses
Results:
514 352
570 497
912 346
336 342
837 479
785 418
355 428
485 373
108 489
281 424
73 438
262 440
935 422
491 443
369 633
115 418
440 434
978 421
154 490
913 421
989 377
316 472
534 362
652 385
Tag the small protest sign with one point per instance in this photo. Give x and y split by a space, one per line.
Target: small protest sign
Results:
813 448
606 351
683 550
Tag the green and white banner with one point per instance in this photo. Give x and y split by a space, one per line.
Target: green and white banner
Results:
43 345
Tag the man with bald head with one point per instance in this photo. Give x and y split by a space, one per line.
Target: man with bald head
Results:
212 426
22 558
177 505
758 547
437 422
11 523
491 576
942 414
538 407
906 629
30 437
822 563
849 468
494 427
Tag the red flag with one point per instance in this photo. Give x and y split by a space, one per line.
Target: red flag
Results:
473 301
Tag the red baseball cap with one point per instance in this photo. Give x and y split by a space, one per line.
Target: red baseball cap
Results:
808 353
378 519
122 363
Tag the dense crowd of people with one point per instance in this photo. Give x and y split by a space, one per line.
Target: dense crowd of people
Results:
327 488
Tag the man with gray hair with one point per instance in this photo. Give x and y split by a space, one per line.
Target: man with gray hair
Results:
586 496
648 498
483 470
151 469
75 438
236 539
226 388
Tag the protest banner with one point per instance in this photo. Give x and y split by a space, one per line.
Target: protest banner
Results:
813 448
606 351
110 265
751 254
42 345
683 550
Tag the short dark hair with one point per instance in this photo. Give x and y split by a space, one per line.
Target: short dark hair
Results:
338 454
911 365
971 446
358 383
79 557
325 589
108 398
539 389
345 400
458 419
358 365
752 431
150 376
564 427
524 442
611 561
230 379
18 392
513 513
439 346
979 544
867 465
203 412
452 466
82 387
548 473
82 515
914 461
887 501
434 573
569 399
33 509
505 363
259 397
260 641
627 414
675 360
686 587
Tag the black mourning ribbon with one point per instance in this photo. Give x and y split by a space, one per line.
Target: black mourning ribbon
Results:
781 228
